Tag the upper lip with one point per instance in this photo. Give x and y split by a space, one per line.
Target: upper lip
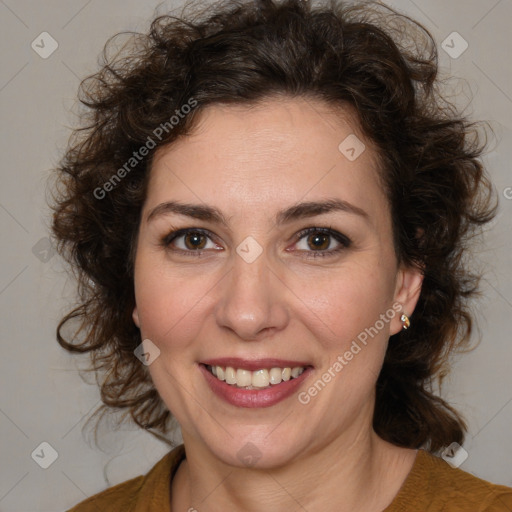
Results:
254 364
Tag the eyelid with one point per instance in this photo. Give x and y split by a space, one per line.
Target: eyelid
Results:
342 239
177 233
344 242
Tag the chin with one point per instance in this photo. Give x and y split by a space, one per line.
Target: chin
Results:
261 449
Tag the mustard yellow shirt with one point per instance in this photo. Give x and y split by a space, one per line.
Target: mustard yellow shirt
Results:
431 486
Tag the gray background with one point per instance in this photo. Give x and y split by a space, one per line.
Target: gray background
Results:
42 397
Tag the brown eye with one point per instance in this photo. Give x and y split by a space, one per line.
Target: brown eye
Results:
319 241
315 242
191 241
195 240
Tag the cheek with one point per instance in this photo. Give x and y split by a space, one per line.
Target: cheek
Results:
345 302
344 314
171 307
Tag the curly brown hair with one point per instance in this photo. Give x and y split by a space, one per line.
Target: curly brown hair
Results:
369 56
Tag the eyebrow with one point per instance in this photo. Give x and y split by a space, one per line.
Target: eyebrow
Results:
295 212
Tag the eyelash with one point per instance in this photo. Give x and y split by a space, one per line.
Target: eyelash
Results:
343 240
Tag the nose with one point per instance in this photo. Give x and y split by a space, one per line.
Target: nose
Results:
252 300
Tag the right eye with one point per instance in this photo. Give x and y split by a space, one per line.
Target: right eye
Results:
190 240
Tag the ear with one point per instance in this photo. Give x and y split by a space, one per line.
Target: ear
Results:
407 293
135 316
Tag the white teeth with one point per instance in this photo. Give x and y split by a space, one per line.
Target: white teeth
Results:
260 379
230 375
255 380
244 378
296 371
275 375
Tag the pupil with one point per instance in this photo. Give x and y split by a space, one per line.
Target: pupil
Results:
319 241
195 241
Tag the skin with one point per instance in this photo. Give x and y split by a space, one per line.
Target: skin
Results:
250 163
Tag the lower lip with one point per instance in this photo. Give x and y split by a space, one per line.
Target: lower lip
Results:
253 398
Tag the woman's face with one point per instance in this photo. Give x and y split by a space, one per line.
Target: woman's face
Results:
266 245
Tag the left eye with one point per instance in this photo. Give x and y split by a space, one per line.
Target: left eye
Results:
321 240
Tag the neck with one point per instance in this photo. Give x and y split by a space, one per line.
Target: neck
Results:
363 475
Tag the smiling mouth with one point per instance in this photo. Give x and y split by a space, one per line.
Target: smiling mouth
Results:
259 379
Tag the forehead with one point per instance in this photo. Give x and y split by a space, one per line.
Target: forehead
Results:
278 151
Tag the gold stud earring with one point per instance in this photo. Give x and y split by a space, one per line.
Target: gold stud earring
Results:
406 323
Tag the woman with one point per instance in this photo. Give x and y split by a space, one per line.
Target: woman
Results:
269 211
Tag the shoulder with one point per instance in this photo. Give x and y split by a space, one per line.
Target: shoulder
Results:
436 486
462 490
119 497
145 492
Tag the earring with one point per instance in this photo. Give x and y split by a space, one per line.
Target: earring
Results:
405 321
